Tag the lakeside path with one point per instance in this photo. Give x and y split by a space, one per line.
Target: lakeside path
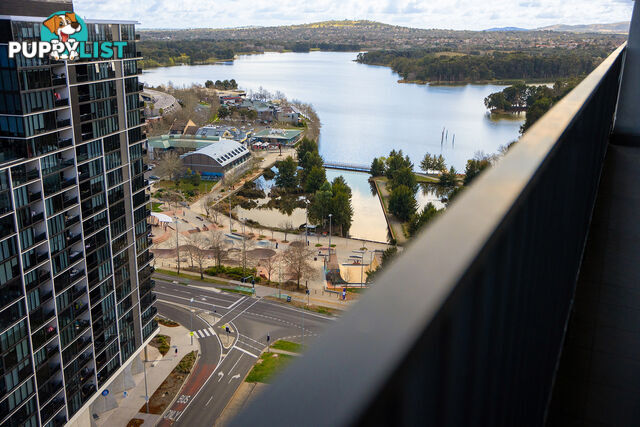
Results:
394 224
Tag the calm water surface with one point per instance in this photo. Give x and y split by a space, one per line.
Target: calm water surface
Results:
364 111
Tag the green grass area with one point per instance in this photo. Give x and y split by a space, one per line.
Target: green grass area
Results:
155 207
269 364
287 346
236 291
428 179
356 290
186 187
190 277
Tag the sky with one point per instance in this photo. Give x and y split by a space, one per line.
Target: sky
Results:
445 14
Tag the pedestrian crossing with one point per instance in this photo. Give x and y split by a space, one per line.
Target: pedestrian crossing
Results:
204 333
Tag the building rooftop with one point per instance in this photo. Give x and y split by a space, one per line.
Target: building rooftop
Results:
284 134
224 151
193 142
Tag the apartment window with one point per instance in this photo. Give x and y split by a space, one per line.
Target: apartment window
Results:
113 160
11 314
34 79
89 151
38 101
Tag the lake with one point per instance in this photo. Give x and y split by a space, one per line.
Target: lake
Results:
368 219
364 111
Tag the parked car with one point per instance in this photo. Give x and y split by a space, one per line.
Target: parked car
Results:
154 177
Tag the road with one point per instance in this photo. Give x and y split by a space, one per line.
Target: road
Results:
221 370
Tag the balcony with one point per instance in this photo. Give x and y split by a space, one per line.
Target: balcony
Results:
63 123
61 102
468 325
59 81
46 392
52 408
41 277
23 177
42 336
40 317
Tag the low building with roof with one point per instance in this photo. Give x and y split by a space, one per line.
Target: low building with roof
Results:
279 136
179 144
183 127
212 161
226 132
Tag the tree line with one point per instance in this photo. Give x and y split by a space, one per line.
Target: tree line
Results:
223 85
428 66
308 176
403 186
534 100
160 53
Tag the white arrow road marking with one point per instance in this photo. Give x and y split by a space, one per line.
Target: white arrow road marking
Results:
220 375
233 378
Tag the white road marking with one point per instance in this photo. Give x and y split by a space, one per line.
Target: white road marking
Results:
235 303
220 375
209 401
206 332
233 378
212 331
239 314
234 365
244 351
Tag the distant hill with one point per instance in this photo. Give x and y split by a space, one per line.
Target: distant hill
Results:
499 29
614 28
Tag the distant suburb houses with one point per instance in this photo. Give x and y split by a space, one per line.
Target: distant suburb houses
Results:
267 111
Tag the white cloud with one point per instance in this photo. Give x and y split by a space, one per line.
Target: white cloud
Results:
455 14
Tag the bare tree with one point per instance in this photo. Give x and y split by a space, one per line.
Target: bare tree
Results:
230 179
207 204
287 227
218 246
270 264
170 166
199 254
297 259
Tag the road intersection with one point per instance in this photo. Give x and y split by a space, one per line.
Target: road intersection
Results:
226 355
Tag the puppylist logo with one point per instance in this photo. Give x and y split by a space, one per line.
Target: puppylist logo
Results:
64 36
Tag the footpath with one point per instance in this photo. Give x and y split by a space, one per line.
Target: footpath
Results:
158 368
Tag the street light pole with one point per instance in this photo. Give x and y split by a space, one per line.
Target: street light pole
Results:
362 266
177 243
244 247
146 389
191 328
330 215
230 218
306 224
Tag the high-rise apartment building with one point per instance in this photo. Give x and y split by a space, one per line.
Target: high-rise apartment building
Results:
76 300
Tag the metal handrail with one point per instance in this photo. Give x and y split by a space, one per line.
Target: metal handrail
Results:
466 326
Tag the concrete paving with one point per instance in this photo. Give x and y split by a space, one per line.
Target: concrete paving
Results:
158 368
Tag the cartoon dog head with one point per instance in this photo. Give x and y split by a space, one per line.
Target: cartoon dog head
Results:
63 25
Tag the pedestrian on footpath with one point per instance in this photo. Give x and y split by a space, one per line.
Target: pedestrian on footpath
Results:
176 351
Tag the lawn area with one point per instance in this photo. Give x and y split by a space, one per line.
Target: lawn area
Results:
266 368
191 277
186 187
155 207
284 345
